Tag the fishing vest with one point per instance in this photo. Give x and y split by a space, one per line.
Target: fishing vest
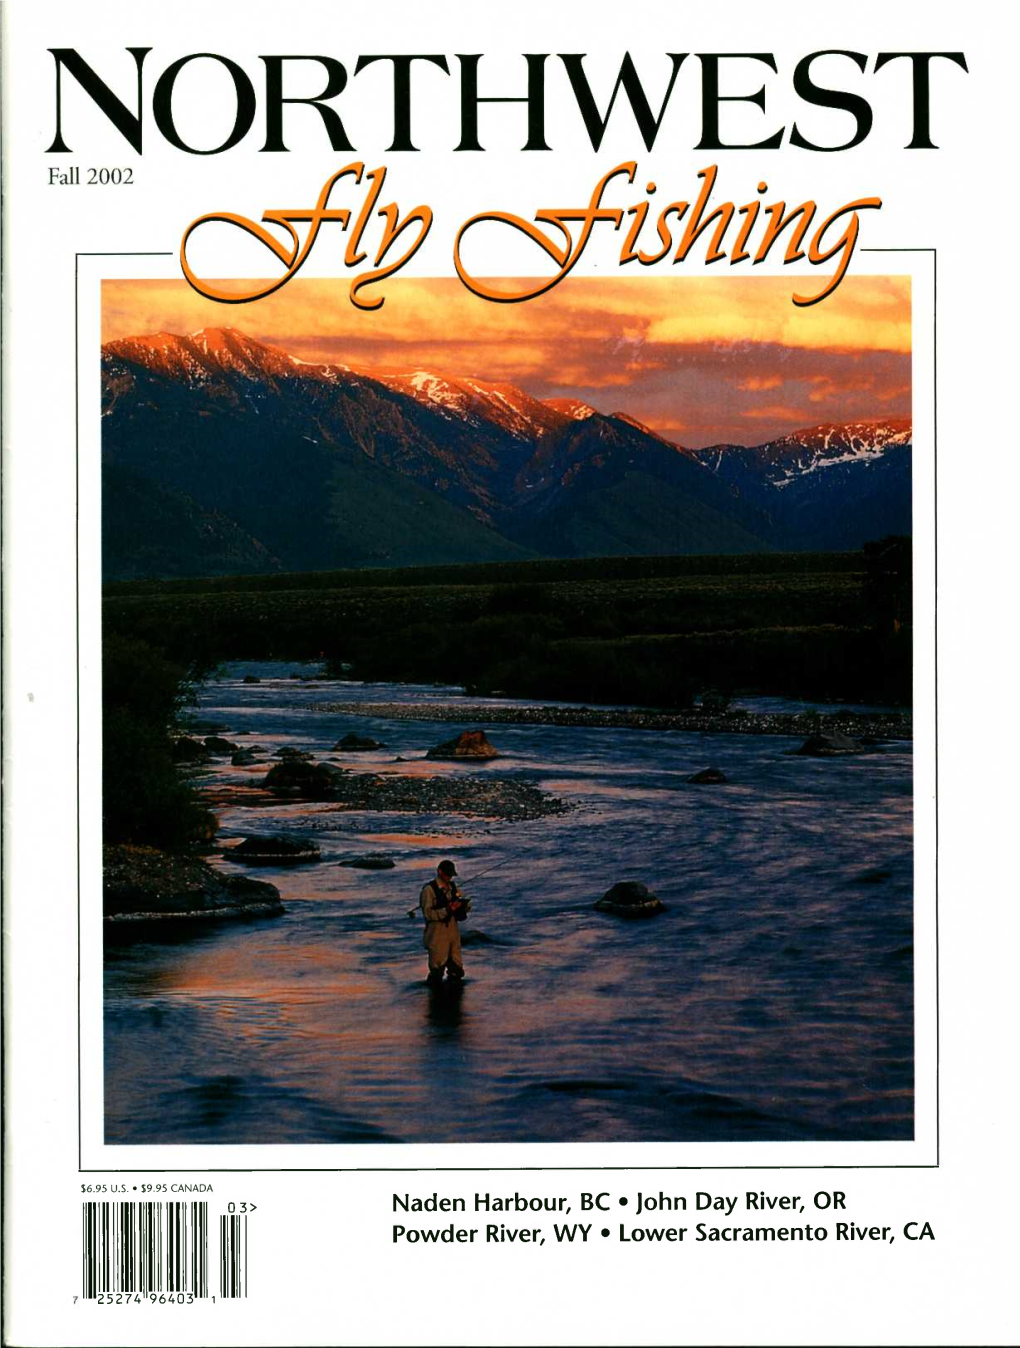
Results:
441 898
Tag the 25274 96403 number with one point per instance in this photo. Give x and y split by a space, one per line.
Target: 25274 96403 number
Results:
146 1299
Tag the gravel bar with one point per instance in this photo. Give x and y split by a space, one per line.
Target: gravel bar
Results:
896 725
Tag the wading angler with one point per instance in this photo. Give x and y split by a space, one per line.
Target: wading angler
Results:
443 908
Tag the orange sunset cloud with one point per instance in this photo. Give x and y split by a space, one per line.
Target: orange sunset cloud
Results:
705 359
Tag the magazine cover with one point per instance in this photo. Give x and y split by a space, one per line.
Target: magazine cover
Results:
506 762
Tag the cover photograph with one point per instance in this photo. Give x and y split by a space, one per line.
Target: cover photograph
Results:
505 518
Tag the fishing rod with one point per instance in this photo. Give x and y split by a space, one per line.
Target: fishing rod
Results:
478 874
412 913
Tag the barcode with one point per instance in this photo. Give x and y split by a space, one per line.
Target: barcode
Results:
233 1256
145 1249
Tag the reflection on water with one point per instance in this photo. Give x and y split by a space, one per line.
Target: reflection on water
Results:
772 1000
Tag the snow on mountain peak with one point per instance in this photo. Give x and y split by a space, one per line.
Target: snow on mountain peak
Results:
858 436
812 450
435 389
573 408
210 353
819 447
476 401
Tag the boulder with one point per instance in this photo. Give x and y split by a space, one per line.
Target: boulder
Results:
829 745
630 898
468 744
709 777
243 758
357 744
187 750
304 781
471 936
272 849
290 755
206 827
251 678
372 861
142 885
216 744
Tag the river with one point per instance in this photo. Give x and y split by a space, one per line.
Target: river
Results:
772 1000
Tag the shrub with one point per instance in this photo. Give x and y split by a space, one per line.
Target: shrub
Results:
146 799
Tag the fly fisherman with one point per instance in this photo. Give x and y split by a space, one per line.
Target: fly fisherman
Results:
442 907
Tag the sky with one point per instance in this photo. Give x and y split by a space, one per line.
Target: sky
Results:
701 360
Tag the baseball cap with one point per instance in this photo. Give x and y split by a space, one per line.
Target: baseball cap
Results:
447 868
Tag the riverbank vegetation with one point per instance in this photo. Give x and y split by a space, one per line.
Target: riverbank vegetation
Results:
146 799
641 631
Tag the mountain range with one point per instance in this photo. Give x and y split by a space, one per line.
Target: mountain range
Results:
224 455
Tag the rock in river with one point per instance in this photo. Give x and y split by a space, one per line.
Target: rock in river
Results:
373 861
305 781
709 777
291 755
272 849
829 745
630 898
142 885
468 744
357 744
472 936
216 744
187 750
